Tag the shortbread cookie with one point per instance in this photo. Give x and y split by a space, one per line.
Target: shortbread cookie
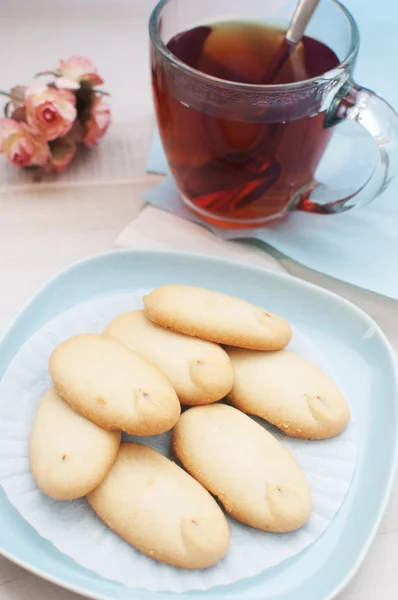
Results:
288 391
200 371
162 511
69 455
255 478
216 317
113 386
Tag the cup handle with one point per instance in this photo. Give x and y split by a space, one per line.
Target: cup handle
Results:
381 121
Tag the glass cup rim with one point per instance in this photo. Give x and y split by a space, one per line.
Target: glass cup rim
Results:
305 83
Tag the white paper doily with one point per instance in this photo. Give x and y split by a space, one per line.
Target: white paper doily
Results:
76 531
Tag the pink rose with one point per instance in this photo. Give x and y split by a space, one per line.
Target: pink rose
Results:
22 145
98 122
7 128
75 71
50 111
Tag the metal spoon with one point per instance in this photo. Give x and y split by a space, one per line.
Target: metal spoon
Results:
298 24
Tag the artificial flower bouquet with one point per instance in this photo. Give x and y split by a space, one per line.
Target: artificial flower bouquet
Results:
44 124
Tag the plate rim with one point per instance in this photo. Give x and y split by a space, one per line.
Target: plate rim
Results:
334 297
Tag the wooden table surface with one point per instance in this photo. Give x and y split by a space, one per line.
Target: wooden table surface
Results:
46 227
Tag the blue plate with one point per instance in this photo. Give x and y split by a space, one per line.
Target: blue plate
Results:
349 340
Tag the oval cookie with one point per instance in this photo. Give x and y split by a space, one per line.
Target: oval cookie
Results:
69 455
288 391
255 478
162 511
113 386
200 371
216 317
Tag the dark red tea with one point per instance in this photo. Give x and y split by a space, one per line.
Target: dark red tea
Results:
236 166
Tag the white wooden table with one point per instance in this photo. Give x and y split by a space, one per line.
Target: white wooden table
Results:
45 228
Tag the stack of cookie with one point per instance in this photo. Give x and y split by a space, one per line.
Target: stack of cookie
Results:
189 347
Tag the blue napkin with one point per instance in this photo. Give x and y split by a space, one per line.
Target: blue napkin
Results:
359 247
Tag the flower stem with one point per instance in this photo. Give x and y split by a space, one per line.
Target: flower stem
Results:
47 73
5 94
